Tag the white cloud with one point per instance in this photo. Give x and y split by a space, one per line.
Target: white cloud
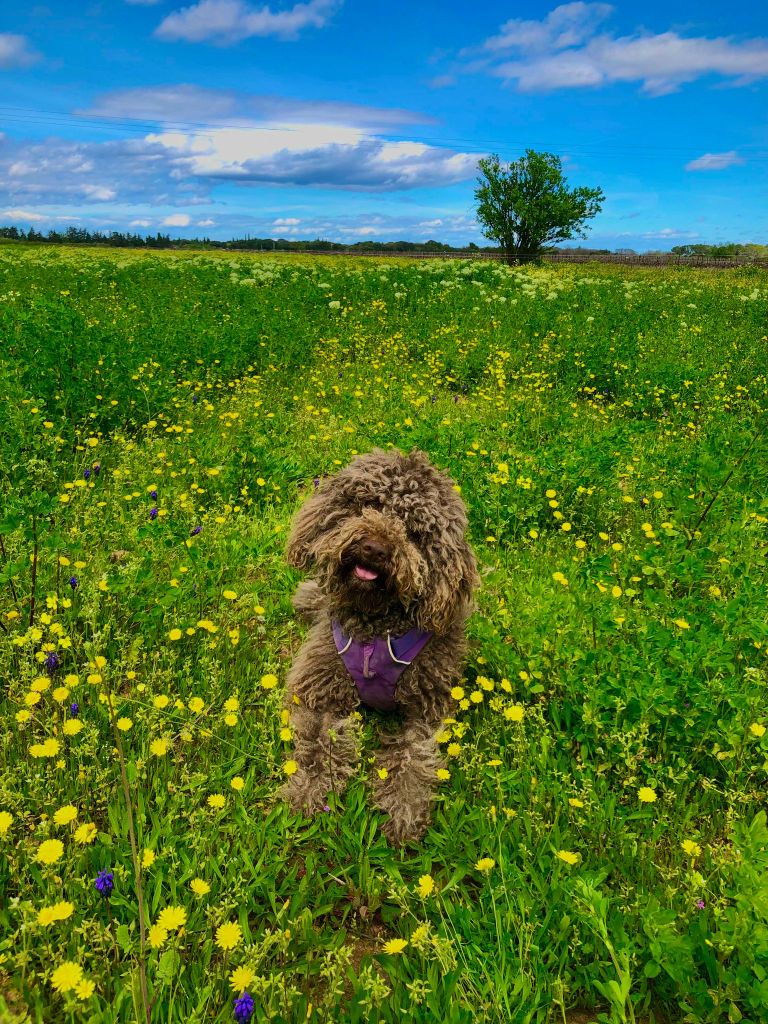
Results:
139 223
207 223
99 192
230 21
335 156
177 220
564 51
567 25
21 215
192 104
715 161
286 221
670 233
15 52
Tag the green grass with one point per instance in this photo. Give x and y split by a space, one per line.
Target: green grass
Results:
607 429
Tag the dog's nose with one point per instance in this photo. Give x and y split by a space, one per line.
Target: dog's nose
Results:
372 549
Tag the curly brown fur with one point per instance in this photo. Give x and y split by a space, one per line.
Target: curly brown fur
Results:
397 516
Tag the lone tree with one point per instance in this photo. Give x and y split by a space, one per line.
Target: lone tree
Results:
526 205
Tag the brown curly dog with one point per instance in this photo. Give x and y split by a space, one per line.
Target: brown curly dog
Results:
392 589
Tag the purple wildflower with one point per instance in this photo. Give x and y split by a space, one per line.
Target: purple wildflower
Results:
73 581
97 469
87 474
244 1007
195 399
74 710
700 904
105 883
197 529
316 482
153 495
153 513
52 663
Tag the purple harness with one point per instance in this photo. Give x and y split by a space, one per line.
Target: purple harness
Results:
377 664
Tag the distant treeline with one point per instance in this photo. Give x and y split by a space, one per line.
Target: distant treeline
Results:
125 239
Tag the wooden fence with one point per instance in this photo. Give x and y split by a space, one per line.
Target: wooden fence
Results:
633 259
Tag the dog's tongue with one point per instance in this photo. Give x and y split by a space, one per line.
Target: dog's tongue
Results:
365 574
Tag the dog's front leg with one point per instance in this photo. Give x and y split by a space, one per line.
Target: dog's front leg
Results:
327 748
411 760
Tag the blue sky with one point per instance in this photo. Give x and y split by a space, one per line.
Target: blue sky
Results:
347 120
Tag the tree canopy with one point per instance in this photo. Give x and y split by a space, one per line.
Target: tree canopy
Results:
526 205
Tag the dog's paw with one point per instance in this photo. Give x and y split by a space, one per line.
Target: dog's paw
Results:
401 832
302 796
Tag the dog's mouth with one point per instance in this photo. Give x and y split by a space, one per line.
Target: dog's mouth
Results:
362 572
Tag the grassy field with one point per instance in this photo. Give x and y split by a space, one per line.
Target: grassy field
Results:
599 849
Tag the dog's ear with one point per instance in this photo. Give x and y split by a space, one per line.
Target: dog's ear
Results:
323 510
452 580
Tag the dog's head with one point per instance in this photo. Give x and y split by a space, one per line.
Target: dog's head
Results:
389 529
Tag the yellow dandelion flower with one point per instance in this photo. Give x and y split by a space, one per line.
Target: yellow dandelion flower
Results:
269 681
290 767
757 729
50 851
514 713
443 774
199 887
148 858
237 783
58 912
382 773
85 989
124 724
691 848
86 833
72 727
67 976
241 978
228 935
231 704
175 634
196 705
46 916
24 716
157 936
395 946
646 795
485 864
286 734
457 693
172 918
476 696
575 803
567 856
65 815
681 624
6 820
161 701
159 747
217 801
230 720
230 595
426 886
